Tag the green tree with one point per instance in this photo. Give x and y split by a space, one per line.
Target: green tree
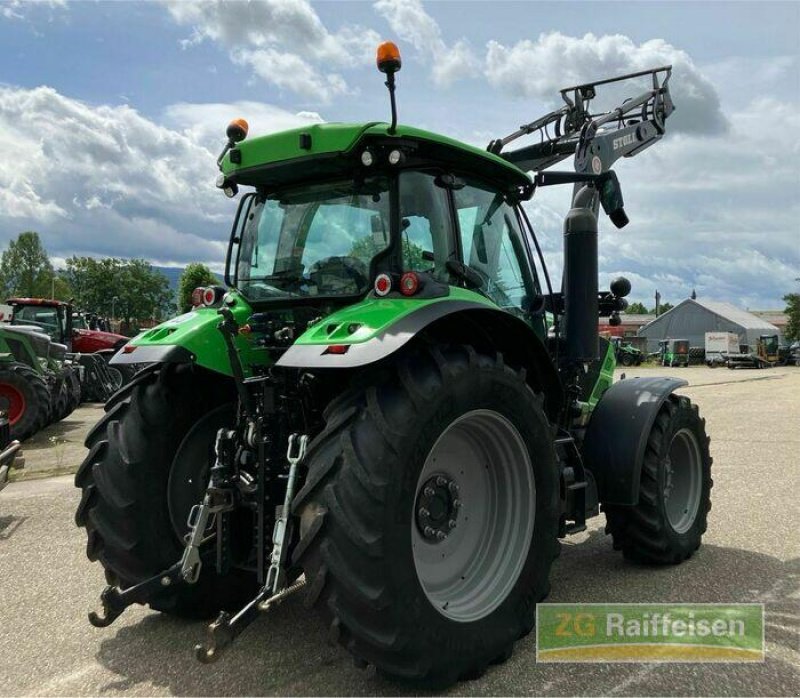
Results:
193 276
130 290
662 308
25 268
792 311
636 308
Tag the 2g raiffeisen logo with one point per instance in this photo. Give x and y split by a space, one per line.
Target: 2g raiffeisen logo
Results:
649 632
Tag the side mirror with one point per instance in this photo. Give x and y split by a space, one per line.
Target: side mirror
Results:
611 199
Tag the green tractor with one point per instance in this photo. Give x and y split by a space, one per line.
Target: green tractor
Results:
39 384
625 353
377 409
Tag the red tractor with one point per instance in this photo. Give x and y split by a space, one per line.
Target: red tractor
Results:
58 320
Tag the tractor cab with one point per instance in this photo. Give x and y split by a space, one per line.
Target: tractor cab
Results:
50 317
768 348
674 352
63 325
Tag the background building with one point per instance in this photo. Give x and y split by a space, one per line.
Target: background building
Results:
692 318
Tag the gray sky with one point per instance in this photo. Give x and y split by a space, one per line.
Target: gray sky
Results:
111 115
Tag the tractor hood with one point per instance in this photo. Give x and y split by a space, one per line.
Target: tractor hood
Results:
110 339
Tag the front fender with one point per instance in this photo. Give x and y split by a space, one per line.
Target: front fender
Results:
616 438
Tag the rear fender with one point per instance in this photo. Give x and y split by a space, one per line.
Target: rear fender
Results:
616 438
454 321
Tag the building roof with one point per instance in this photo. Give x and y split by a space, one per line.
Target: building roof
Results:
631 319
729 312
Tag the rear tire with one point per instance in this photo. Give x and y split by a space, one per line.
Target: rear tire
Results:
25 396
127 507
369 570
668 523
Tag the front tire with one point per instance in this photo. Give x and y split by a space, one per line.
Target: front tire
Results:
627 360
440 426
668 523
137 486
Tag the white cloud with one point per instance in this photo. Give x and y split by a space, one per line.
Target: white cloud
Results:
289 71
104 180
205 124
541 68
269 37
16 9
409 21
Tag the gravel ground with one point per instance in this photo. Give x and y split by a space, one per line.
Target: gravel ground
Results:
751 553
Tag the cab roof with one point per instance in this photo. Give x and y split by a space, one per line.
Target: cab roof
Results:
331 149
46 302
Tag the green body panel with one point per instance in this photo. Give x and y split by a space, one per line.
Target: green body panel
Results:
605 378
27 352
335 138
197 332
376 315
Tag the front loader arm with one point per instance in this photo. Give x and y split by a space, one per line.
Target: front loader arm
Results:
596 140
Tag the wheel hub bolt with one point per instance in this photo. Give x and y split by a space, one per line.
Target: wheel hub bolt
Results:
429 532
453 487
424 513
441 535
429 492
451 524
456 503
441 481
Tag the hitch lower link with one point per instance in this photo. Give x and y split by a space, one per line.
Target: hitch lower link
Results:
226 628
187 570
219 497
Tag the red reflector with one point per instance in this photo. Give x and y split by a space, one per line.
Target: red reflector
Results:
383 284
409 283
128 349
336 349
197 296
245 329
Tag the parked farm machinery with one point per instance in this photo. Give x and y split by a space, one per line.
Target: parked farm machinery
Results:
374 411
766 355
625 353
92 349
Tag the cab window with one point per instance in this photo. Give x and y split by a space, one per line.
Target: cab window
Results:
424 224
492 245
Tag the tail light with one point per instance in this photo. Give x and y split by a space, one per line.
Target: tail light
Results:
209 296
383 285
409 283
197 297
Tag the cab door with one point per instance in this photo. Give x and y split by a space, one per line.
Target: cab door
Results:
491 243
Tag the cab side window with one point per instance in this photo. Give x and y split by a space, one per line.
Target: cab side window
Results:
425 224
492 245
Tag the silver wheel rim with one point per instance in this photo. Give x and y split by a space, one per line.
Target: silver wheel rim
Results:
683 480
473 516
